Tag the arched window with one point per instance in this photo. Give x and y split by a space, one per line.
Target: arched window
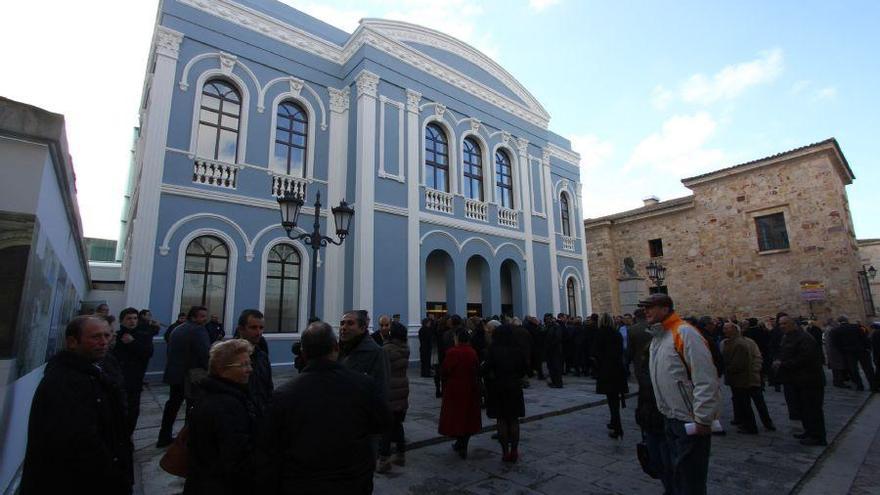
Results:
205 271
566 214
282 289
218 121
291 133
436 158
472 158
571 293
503 180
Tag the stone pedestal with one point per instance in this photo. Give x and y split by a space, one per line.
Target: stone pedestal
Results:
631 289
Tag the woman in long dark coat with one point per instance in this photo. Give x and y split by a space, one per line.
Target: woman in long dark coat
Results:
460 410
503 372
608 352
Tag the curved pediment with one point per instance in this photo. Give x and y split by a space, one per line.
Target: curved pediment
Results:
459 56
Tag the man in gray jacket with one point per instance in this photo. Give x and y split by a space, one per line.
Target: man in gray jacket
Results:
687 391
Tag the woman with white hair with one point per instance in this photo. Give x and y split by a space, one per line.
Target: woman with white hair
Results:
221 425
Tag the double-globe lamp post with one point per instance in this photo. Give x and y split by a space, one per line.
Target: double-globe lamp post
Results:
291 204
657 274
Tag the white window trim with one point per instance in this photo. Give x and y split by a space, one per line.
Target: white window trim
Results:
310 139
241 148
488 196
231 270
401 162
569 272
304 280
571 210
514 168
452 152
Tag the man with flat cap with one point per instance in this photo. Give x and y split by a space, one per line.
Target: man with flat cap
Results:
687 391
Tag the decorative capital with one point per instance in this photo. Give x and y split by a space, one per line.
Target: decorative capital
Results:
367 84
475 125
522 145
339 99
505 137
168 42
412 100
439 110
227 62
545 158
296 85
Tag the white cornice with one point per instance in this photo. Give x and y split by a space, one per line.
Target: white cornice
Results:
208 195
380 35
563 154
394 210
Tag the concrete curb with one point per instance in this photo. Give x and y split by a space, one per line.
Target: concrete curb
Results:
829 448
528 419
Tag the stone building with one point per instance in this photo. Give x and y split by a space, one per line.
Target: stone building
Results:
753 239
869 252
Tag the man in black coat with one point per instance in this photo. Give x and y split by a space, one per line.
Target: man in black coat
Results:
538 334
77 434
133 350
553 347
426 338
799 366
854 345
250 328
215 329
317 436
187 351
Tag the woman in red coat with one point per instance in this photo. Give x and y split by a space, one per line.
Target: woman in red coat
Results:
460 410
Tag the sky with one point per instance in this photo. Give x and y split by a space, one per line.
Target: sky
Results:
648 92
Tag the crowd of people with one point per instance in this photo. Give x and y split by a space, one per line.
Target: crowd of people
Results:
331 427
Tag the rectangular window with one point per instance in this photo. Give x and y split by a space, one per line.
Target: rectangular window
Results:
655 246
771 232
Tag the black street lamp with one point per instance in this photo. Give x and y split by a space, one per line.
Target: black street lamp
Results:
871 272
290 205
656 272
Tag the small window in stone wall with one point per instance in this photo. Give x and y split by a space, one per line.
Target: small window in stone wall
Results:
772 234
655 246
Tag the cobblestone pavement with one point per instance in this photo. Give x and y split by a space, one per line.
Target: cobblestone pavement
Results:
867 481
564 448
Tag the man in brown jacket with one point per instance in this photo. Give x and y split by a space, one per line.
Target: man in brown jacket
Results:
738 376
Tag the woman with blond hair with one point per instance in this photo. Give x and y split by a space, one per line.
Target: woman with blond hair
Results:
608 353
221 425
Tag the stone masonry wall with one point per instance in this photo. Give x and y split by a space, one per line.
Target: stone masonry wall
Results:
711 250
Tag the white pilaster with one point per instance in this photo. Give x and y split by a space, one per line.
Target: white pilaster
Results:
551 229
166 44
588 305
522 146
414 268
337 170
365 166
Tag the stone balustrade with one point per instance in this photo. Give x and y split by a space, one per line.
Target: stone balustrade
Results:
568 243
215 173
283 184
476 210
438 201
508 217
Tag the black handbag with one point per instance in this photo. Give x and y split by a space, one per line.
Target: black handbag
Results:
644 456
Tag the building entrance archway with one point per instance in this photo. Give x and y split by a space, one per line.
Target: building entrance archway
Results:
439 283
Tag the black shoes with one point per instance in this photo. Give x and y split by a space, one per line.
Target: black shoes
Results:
770 427
747 431
616 434
163 442
801 436
813 442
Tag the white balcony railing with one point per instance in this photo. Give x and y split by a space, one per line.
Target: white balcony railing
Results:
215 173
508 217
283 184
568 243
476 210
438 201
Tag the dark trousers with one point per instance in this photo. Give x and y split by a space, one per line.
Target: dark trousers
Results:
853 360
756 394
794 406
538 364
614 407
172 406
554 367
425 360
742 408
395 434
689 459
809 399
133 396
658 454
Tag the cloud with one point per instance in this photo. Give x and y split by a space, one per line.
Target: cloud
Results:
679 147
594 151
826 93
541 5
732 80
799 87
661 97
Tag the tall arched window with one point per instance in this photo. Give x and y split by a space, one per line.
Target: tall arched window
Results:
291 133
503 180
566 214
571 293
472 158
436 158
282 289
219 121
205 271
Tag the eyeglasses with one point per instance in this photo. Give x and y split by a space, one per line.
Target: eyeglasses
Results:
246 366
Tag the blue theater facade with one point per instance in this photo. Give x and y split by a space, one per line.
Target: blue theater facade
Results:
465 201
